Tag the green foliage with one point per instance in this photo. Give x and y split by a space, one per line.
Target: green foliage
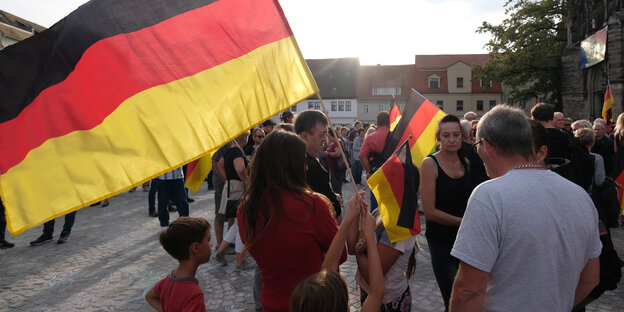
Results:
527 47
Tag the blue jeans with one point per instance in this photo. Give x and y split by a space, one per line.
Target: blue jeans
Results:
2 220
48 227
171 189
151 196
444 267
257 288
356 170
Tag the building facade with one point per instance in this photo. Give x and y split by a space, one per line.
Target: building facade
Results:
337 81
583 89
14 29
446 80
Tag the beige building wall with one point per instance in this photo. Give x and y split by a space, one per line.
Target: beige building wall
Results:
459 70
469 102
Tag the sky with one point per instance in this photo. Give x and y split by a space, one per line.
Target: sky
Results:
385 32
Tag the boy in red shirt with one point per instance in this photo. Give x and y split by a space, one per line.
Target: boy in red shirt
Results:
188 240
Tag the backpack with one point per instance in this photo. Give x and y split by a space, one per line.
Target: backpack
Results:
606 200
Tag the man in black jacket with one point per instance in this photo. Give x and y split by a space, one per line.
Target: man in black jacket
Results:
311 126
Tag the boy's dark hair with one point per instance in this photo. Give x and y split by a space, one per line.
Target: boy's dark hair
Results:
542 112
181 233
308 119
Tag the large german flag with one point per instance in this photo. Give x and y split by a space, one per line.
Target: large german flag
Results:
121 91
395 186
419 119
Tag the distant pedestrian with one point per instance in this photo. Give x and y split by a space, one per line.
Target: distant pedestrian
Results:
188 241
3 243
287 116
370 153
171 187
48 230
529 240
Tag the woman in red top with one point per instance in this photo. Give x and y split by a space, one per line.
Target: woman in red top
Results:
285 226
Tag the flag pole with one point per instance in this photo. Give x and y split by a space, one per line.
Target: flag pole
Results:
344 158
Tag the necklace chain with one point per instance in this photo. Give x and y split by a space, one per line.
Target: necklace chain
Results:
527 166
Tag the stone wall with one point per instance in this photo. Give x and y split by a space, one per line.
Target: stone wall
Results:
573 99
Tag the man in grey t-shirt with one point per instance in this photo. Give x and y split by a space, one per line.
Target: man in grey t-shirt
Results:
529 240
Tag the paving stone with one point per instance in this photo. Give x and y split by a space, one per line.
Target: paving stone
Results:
113 258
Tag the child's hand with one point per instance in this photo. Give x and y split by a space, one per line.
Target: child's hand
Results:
355 207
368 225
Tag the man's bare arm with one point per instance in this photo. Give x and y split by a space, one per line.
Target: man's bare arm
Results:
469 289
590 277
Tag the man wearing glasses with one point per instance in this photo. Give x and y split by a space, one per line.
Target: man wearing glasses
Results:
529 240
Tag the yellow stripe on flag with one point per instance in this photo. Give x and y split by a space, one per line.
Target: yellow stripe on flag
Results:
389 208
197 177
168 123
393 125
427 141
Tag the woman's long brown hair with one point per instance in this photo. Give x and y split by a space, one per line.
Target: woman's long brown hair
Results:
278 165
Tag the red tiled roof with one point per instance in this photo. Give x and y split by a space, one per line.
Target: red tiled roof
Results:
385 76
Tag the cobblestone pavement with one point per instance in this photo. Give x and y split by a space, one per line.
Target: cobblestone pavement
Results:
113 258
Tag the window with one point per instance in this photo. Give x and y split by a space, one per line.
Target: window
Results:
492 104
310 105
434 83
481 83
479 105
460 106
440 104
386 90
365 109
381 108
348 106
317 105
293 108
333 106
341 106
460 82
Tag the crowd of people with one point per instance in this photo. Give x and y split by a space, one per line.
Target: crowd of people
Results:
514 208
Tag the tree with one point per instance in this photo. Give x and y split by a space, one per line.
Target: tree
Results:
527 48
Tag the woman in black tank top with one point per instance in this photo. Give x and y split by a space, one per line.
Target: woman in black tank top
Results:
445 187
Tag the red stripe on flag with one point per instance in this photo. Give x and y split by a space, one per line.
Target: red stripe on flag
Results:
189 168
116 68
620 180
395 177
419 122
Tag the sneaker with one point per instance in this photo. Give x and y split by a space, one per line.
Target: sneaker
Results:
105 203
5 245
132 190
172 209
63 238
189 200
41 240
220 258
153 213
